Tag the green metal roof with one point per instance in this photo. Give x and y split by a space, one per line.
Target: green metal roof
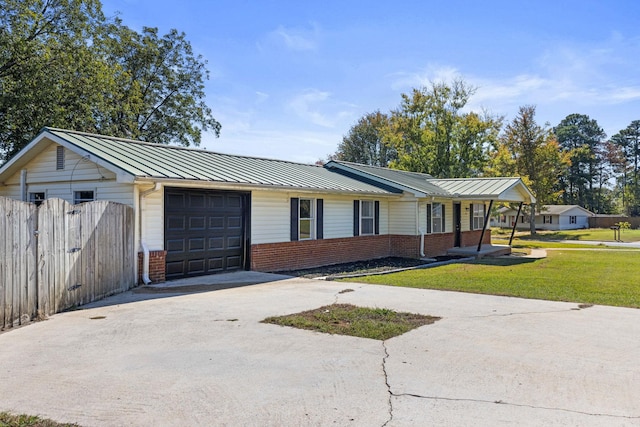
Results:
494 188
505 189
418 182
157 161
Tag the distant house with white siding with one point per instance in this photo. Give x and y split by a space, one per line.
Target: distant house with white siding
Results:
199 212
551 217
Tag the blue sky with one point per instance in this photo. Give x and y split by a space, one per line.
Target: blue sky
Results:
289 78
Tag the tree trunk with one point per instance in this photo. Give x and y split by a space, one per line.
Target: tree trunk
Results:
532 219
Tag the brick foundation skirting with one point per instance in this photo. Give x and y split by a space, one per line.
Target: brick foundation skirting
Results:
156 266
271 257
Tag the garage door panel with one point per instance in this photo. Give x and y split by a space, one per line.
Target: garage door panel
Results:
196 201
197 223
234 263
204 231
234 242
176 223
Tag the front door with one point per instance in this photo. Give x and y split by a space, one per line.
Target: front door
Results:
457 225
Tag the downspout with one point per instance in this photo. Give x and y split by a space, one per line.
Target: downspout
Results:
23 185
486 221
515 224
143 245
422 243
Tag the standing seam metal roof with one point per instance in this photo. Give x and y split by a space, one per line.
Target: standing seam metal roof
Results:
148 160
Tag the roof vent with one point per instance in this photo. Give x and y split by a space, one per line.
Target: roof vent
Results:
59 157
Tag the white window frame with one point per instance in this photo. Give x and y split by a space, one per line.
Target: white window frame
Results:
478 216
573 219
311 219
34 199
367 218
437 221
77 199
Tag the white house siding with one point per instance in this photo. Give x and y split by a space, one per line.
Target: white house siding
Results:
271 213
152 212
403 217
78 174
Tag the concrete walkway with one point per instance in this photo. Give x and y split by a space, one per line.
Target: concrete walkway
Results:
204 358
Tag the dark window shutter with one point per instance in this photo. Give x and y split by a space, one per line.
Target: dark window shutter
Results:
376 205
319 219
444 222
295 212
471 217
356 217
428 218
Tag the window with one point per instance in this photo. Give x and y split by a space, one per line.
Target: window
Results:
366 217
83 196
478 216
59 158
36 198
306 219
573 219
435 218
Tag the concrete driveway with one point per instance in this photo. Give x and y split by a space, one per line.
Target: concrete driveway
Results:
204 359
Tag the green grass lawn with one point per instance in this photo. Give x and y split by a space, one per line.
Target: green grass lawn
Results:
599 234
592 277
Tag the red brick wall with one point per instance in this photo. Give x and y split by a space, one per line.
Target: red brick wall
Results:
315 253
156 266
470 238
437 244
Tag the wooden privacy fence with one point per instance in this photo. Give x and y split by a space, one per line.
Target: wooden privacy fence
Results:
57 256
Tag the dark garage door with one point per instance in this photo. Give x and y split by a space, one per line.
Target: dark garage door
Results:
204 231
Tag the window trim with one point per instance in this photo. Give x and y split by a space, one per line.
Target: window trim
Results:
33 197
371 218
431 219
357 217
311 219
317 229
477 216
77 200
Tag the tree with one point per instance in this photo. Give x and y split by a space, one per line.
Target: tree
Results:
63 64
532 152
583 140
365 142
431 135
628 141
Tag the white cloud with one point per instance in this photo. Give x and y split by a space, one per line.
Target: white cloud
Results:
318 107
296 39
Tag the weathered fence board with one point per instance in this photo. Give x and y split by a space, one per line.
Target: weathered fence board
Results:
82 253
18 295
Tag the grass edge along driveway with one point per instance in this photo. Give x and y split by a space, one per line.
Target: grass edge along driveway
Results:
590 277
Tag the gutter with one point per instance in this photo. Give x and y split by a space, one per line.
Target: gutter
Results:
145 249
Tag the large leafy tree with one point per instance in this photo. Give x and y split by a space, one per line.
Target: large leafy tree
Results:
583 139
431 134
63 64
365 142
628 143
527 149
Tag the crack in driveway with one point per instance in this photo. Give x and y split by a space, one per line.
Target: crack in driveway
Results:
521 405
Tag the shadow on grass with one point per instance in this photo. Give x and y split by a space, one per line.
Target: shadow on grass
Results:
503 262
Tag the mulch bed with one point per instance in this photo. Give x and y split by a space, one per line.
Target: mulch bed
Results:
359 267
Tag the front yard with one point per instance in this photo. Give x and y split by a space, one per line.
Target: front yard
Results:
606 277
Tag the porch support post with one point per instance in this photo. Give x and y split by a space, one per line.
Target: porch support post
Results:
486 222
515 223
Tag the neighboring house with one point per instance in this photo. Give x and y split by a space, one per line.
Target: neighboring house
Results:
551 217
199 212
